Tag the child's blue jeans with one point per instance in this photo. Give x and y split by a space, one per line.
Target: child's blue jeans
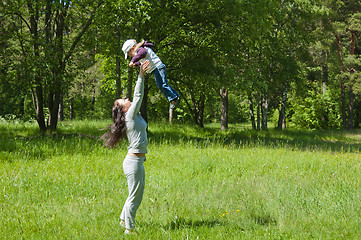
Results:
160 75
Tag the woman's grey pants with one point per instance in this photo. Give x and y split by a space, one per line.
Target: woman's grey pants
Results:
133 167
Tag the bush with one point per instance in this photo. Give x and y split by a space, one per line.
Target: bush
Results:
316 111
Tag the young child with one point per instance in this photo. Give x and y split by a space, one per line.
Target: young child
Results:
140 52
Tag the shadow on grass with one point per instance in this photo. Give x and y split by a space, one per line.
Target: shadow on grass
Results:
182 223
41 147
241 224
332 140
264 219
35 145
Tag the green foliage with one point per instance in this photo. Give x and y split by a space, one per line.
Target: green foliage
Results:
256 48
355 21
238 109
107 69
91 94
316 110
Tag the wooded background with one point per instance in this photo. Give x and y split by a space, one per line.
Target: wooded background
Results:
232 61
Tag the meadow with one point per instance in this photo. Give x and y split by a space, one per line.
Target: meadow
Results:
200 183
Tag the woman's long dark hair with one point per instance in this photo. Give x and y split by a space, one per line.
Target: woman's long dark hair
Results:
117 129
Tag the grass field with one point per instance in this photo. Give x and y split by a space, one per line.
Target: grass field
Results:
200 183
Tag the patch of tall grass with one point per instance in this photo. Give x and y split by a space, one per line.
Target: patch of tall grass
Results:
200 183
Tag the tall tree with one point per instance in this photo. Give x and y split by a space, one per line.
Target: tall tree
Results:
344 20
54 29
120 21
191 43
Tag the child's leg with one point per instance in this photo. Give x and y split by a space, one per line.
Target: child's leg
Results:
162 83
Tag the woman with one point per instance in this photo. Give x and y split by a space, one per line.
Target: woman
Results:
128 122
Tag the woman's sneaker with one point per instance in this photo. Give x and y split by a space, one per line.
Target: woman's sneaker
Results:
129 232
122 224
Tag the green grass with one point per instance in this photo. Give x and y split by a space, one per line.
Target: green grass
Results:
200 183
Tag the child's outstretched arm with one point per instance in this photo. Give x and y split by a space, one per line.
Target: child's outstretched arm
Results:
148 44
138 45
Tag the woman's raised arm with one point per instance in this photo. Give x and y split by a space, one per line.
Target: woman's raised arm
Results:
138 91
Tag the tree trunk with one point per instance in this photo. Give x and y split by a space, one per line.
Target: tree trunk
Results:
57 72
282 114
224 108
118 82
357 110
264 111
201 111
129 93
54 100
343 94
353 41
259 114
324 78
351 105
215 116
251 112
61 108
93 98
339 49
71 109
22 106
324 89
198 110
351 102
58 68
38 100
343 106
38 97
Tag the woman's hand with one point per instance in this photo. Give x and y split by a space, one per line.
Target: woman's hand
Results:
131 64
143 68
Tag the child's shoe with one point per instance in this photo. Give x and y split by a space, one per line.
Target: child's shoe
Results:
175 103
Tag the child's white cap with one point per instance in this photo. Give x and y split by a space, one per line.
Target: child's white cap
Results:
127 46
